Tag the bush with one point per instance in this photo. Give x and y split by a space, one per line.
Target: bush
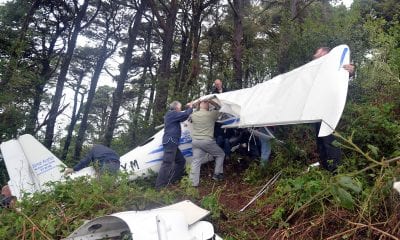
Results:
54 214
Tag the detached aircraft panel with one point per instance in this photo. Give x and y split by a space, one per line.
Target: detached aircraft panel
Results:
45 165
18 168
177 221
30 165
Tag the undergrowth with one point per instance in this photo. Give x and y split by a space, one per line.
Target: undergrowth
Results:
356 203
56 213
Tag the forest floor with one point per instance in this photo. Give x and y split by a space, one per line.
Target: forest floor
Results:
233 193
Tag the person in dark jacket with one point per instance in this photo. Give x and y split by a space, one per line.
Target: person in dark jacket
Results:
106 159
221 135
329 154
173 165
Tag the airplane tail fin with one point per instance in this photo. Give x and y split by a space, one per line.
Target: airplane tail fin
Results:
30 164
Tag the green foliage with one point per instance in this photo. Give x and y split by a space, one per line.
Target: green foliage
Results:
3 172
373 124
341 191
253 174
352 189
297 191
11 120
211 202
59 211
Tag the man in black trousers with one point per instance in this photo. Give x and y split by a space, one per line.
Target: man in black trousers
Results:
173 165
221 135
329 154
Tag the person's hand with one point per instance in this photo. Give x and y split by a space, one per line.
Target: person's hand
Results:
350 68
68 171
189 104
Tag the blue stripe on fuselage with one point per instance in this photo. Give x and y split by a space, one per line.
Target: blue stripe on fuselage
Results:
155 160
161 148
188 152
230 121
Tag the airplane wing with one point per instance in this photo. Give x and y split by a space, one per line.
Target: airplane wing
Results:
314 92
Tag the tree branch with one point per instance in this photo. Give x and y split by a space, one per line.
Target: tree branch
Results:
93 17
154 9
233 8
109 73
166 8
301 10
46 119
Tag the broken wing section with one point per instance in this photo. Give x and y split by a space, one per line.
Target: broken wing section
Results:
176 221
30 165
19 170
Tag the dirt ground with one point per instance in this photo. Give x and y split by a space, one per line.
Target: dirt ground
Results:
254 222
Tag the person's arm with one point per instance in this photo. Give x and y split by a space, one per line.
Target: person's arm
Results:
216 105
181 116
84 162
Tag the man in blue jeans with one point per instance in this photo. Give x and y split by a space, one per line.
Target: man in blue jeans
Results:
106 159
173 165
265 138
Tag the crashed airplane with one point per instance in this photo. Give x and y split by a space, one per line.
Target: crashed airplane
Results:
314 92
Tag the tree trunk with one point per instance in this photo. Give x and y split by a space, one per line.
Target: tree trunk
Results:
44 77
53 113
75 115
118 93
191 57
37 98
210 57
151 97
142 83
104 54
168 26
184 56
237 46
293 8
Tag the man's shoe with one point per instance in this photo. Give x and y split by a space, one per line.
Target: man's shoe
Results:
218 177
